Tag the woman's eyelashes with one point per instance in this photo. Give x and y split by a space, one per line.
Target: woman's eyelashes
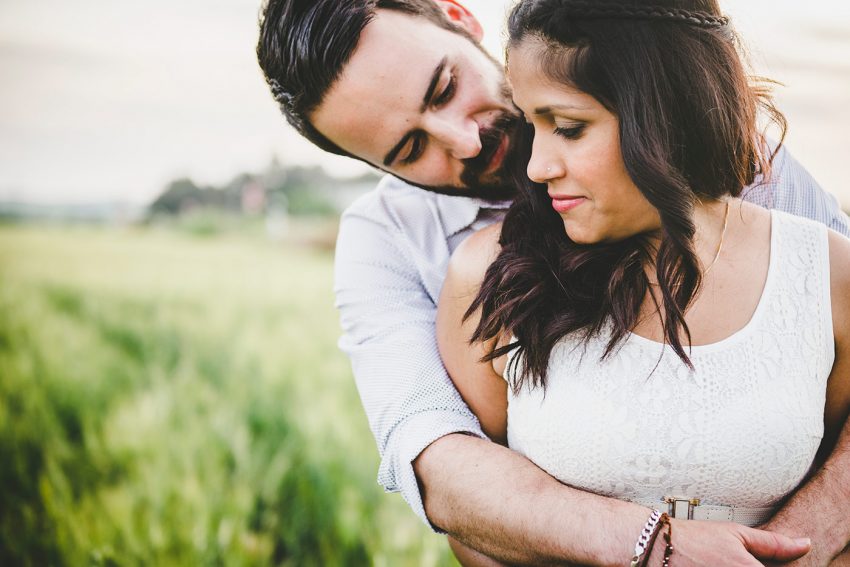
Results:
571 132
568 132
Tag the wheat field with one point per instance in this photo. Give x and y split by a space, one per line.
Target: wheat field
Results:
167 399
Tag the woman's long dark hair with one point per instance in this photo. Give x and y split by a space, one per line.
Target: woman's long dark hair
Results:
671 72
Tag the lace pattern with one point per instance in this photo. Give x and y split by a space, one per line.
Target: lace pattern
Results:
740 430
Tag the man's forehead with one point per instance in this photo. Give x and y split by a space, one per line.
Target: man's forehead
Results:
381 88
394 47
383 55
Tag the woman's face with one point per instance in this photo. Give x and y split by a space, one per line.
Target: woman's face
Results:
576 153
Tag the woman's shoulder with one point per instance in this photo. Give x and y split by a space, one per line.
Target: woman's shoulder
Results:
839 270
839 250
484 241
473 256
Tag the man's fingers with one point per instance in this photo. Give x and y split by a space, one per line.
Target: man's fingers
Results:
774 546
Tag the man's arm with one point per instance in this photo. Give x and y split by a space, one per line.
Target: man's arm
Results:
792 189
387 315
490 498
519 502
495 501
388 319
821 508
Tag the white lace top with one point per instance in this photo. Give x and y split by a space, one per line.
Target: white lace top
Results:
741 430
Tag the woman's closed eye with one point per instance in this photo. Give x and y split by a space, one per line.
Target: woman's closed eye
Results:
572 132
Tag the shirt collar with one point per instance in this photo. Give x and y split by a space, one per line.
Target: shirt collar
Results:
457 212
460 212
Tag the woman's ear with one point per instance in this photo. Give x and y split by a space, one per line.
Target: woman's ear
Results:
462 18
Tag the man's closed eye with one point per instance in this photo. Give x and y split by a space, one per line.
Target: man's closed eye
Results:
417 148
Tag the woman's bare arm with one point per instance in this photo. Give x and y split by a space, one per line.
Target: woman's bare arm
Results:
483 390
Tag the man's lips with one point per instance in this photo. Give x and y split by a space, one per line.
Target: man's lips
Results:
498 156
564 203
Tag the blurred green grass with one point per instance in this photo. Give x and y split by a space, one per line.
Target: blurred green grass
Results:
170 400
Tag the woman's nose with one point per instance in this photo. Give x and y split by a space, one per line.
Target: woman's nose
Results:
544 165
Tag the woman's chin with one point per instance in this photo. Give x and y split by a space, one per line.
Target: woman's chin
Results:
580 234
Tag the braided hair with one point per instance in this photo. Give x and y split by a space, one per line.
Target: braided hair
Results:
606 9
671 73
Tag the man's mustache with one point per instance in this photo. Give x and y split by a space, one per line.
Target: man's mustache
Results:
491 138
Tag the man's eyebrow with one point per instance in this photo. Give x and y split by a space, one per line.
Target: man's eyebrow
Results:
393 153
429 94
435 78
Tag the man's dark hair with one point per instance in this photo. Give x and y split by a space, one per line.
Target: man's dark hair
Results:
304 46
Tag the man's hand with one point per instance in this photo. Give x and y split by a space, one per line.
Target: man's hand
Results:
710 544
817 557
819 510
843 560
697 544
495 501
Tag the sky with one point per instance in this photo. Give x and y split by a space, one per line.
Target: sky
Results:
109 100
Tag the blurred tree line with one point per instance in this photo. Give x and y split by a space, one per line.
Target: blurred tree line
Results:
306 191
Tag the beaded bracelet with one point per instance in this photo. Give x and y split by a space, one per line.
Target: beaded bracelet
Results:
647 535
668 539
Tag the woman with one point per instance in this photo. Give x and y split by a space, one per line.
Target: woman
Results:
641 332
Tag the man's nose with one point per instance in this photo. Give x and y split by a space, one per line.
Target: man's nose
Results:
460 136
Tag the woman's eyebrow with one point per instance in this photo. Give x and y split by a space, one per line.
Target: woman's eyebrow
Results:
550 108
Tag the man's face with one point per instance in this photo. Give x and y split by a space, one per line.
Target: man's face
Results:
425 104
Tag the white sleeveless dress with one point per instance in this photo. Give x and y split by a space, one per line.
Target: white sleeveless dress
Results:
741 430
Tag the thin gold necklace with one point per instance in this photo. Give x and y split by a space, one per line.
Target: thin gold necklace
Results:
719 246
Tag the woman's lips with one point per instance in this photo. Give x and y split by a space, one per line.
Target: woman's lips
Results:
564 203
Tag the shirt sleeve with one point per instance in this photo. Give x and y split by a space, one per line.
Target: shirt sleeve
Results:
792 189
388 323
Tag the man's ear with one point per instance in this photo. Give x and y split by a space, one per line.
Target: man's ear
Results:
462 18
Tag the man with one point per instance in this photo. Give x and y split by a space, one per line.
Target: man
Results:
405 86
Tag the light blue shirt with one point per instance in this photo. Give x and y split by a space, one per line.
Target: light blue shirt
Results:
392 253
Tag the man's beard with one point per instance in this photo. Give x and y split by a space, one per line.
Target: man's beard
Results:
498 187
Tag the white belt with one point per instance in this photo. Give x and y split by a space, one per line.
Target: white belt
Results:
691 509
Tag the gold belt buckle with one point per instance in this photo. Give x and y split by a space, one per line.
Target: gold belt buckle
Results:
681 507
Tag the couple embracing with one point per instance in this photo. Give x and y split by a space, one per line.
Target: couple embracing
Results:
595 316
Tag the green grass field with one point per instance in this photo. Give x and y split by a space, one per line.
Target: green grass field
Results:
173 400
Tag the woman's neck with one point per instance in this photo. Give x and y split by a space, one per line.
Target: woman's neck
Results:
711 221
711 226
